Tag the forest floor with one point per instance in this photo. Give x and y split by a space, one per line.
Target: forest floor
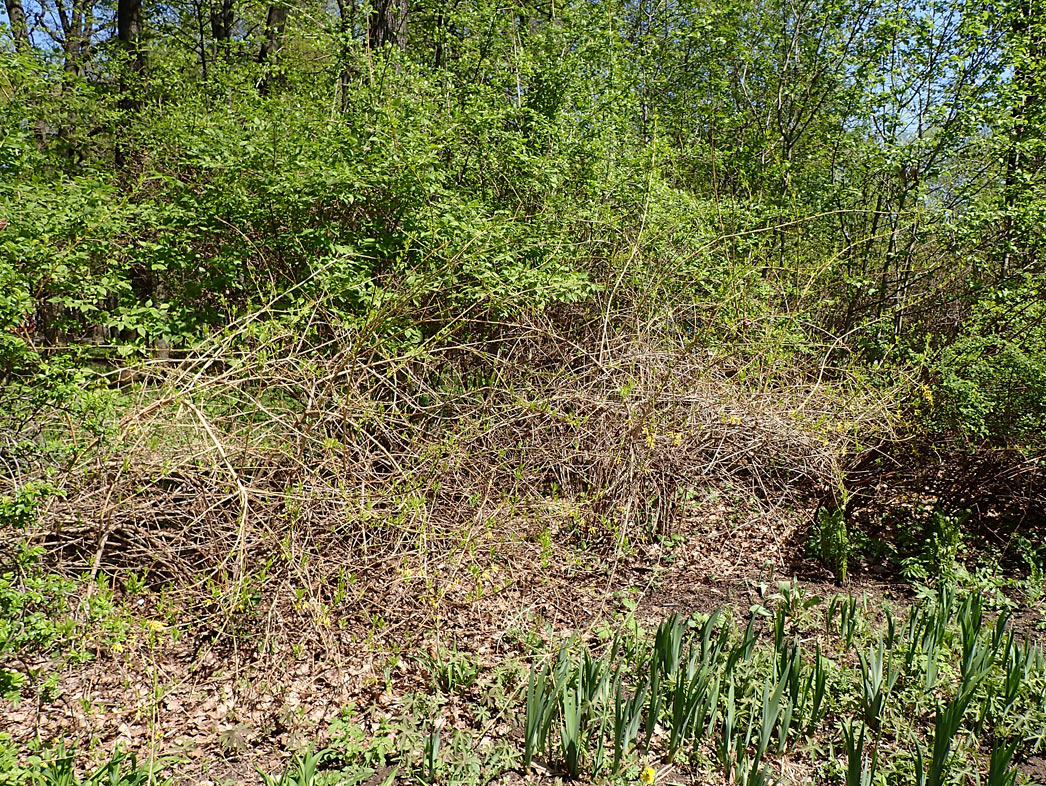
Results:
217 703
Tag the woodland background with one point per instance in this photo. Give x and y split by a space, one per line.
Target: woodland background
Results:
327 327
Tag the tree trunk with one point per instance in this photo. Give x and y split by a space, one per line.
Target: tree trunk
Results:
201 36
76 20
129 34
221 28
388 23
275 21
346 37
438 36
19 29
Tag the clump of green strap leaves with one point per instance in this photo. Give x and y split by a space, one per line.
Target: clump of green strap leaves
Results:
943 691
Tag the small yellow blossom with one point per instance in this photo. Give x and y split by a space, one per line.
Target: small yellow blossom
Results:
647 776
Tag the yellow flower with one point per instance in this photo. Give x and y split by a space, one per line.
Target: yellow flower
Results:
647 776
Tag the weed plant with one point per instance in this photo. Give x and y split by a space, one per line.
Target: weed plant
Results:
833 542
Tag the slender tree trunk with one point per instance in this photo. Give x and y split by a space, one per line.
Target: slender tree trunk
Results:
439 34
347 25
19 28
76 21
201 36
221 28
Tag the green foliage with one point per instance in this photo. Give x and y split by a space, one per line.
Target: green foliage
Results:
833 543
432 743
45 613
735 698
993 378
937 550
18 512
858 770
1000 771
628 712
57 767
775 182
757 701
34 613
11 772
302 770
878 677
845 607
453 671
834 192
368 212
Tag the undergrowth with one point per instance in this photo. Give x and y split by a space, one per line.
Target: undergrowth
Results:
920 699
843 690
316 455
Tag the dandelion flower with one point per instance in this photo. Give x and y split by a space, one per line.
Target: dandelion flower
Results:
647 776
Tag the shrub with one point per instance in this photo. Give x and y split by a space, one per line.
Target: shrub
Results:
993 378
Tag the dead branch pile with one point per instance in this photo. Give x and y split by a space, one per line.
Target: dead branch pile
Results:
330 458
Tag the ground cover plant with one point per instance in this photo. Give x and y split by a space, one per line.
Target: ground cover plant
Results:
715 691
938 690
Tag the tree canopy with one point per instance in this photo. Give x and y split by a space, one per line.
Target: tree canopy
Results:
862 173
